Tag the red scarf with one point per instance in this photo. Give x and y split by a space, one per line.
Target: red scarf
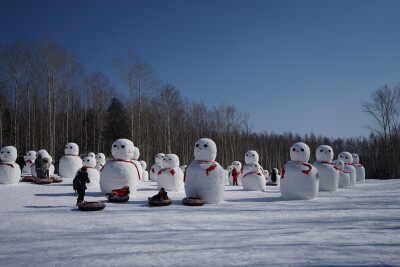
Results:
343 171
8 164
127 162
28 160
166 169
89 167
303 171
330 163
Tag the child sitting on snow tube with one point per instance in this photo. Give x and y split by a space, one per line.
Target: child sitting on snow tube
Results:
119 195
161 199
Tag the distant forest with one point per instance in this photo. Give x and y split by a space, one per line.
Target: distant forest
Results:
48 100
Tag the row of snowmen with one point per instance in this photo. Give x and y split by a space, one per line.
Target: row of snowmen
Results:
203 177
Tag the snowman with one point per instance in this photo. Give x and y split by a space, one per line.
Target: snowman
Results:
251 156
170 177
100 161
135 160
91 154
70 163
348 160
10 172
266 175
327 171
30 159
344 177
229 169
44 154
299 179
145 173
360 171
157 166
205 178
120 171
236 174
254 179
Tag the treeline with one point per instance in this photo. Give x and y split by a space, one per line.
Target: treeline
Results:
48 100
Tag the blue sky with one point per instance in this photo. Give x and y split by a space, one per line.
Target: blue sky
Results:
300 66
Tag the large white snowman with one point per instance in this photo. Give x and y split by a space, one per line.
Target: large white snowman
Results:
93 173
120 171
157 166
30 159
205 178
348 160
135 160
44 154
145 173
360 170
70 163
10 172
170 177
251 156
327 171
254 179
100 161
344 177
237 165
299 179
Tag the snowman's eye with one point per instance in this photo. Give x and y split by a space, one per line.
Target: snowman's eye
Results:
247 155
205 145
294 149
329 151
321 150
302 149
114 145
169 159
71 147
66 147
8 152
197 145
122 146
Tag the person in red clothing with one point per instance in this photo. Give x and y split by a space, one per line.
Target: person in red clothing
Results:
235 175
121 192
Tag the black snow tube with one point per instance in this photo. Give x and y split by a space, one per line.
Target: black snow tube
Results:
114 198
191 201
91 205
158 203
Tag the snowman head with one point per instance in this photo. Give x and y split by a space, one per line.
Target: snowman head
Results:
251 157
346 157
44 154
100 158
229 168
300 152
71 149
356 158
8 154
266 172
253 167
122 149
339 163
324 153
159 158
237 165
31 155
170 161
136 153
89 161
143 164
91 154
205 149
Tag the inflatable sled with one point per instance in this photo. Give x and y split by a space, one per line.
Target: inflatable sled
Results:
190 201
116 198
161 199
159 202
28 179
91 205
56 179
42 180
272 184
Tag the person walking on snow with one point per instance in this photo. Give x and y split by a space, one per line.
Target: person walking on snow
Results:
79 184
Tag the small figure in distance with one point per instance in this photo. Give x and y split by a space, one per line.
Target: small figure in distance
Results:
20 161
79 184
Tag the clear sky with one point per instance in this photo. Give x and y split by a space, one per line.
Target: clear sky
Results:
300 66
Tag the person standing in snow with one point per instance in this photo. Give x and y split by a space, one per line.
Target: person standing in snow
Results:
79 184
20 161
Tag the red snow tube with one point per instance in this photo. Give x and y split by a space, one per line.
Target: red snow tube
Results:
191 201
91 205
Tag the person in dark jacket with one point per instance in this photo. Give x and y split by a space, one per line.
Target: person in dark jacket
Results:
20 161
79 184
40 171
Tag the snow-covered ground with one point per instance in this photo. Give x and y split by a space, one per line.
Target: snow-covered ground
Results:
40 226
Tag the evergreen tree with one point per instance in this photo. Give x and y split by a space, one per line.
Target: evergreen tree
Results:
117 122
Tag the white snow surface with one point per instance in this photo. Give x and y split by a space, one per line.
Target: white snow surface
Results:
40 226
